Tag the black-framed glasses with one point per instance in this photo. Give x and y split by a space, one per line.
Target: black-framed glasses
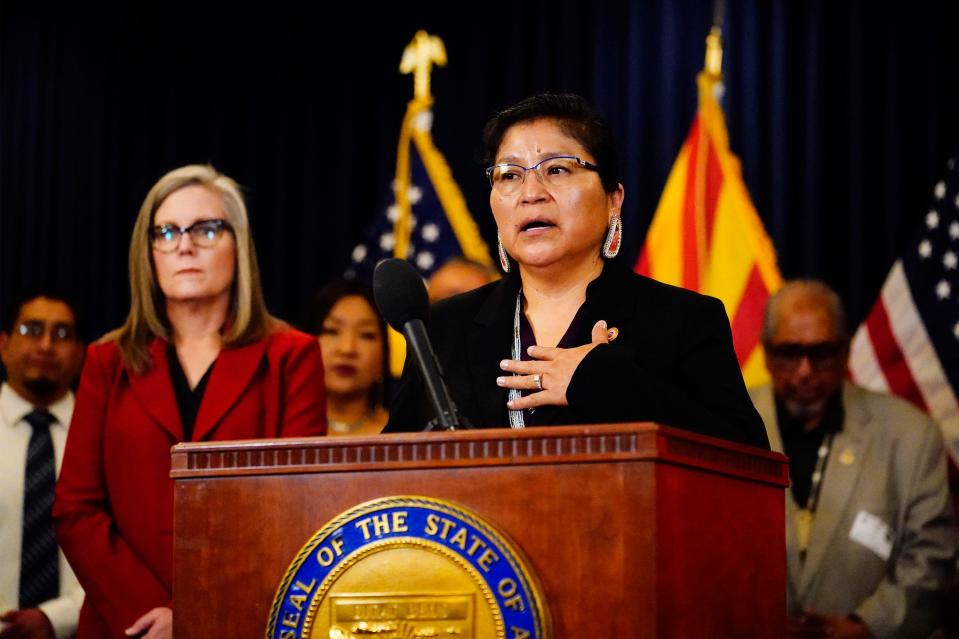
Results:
822 356
557 171
203 233
35 329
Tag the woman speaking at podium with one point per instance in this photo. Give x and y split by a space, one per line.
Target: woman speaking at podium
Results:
199 358
570 335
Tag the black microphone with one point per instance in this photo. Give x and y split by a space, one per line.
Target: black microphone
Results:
401 297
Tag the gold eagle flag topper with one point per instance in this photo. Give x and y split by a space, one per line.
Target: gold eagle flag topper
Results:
418 58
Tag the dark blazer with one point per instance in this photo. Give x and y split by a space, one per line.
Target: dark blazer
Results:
114 499
673 361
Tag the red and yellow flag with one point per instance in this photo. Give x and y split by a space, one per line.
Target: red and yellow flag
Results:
706 235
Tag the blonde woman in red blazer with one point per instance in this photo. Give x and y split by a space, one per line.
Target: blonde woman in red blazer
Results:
199 358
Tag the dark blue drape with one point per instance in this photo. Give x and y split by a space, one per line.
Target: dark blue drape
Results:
843 115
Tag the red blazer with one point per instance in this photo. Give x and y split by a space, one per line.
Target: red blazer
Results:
114 500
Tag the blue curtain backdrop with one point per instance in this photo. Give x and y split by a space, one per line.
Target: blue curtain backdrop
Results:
844 115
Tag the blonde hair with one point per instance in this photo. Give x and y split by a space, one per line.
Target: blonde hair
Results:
248 318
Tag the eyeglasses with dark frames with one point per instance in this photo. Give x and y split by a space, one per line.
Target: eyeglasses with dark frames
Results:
203 233
822 356
558 171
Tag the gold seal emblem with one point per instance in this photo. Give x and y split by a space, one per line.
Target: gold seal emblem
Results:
404 568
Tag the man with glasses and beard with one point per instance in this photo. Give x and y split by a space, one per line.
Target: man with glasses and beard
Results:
870 537
39 594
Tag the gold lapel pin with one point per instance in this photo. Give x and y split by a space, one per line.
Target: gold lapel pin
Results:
847 457
612 333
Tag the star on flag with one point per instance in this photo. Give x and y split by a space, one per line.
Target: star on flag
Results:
909 343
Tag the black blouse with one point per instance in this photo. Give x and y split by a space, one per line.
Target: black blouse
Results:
188 399
532 417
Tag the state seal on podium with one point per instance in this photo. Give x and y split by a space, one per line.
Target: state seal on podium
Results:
407 567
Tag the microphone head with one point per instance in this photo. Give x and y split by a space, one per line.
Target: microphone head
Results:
400 293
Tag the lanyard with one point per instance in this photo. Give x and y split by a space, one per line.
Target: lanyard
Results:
516 416
816 485
805 515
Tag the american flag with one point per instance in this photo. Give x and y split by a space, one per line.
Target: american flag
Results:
426 221
909 343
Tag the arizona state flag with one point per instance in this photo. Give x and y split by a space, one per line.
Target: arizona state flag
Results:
706 235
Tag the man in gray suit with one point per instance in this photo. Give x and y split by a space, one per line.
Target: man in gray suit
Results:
870 535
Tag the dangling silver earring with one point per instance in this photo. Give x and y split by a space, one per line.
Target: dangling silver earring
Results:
614 237
503 257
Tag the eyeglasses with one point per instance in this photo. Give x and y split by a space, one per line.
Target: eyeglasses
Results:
559 171
203 233
822 356
35 329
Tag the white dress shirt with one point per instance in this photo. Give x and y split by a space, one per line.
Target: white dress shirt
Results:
15 435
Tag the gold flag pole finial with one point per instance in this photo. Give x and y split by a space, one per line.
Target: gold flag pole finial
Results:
419 56
714 53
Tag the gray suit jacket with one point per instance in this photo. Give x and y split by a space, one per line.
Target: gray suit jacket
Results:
888 461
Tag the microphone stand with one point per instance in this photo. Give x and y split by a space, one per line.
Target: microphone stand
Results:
448 416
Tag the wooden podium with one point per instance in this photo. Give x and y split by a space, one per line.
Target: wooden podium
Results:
634 530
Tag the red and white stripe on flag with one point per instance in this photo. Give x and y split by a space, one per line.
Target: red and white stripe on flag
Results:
909 343
707 236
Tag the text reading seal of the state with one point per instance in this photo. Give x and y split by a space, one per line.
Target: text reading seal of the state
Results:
407 567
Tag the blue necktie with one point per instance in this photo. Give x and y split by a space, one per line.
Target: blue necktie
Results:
39 569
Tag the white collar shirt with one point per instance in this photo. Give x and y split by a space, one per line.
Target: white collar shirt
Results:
15 433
